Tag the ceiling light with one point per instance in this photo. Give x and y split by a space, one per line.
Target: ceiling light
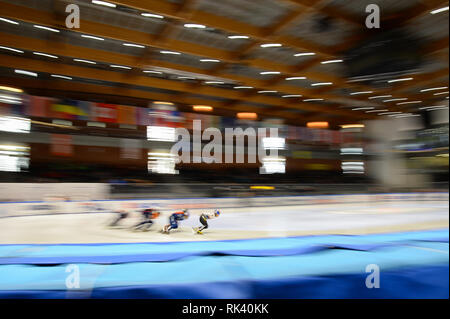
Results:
440 93
202 108
435 89
133 45
267 92
296 78
394 100
439 10
153 72
292 95
46 55
185 78
331 61
10 97
194 26
363 108
233 37
210 60
362 92
271 45
120 67
247 116
162 103
312 100
379 97
84 61
46 28
373 111
26 73
10 89
243 87
61 77
317 124
400 80
11 49
8 21
410 102
151 15
104 3
92 37
214 82
269 72
170 52
305 54
388 113
322 83
353 126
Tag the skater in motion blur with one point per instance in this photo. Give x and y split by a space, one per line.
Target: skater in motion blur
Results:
204 221
147 215
121 214
174 219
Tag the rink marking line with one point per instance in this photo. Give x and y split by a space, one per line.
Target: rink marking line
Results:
429 249
384 211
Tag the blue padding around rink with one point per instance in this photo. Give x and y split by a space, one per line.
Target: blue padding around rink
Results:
159 252
407 271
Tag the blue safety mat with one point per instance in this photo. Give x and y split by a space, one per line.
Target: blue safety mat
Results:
408 270
159 252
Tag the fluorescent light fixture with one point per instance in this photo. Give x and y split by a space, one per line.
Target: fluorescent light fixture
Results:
210 60
134 45
440 93
296 78
104 3
331 61
214 82
267 92
160 133
292 95
312 100
247 116
305 54
46 28
162 103
389 113
26 73
322 83
170 52
410 102
15 124
271 45
234 37
363 108
394 100
84 61
353 126
120 67
153 72
8 21
400 80
194 26
11 49
243 87
202 108
352 151
439 10
276 143
435 89
151 15
317 124
92 37
46 55
8 101
10 97
362 92
427 107
185 78
374 111
10 89
379 97
269 72
61 77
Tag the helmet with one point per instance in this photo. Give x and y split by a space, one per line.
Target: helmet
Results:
217 213
185 213
156 214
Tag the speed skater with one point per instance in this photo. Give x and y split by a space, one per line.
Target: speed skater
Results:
174 219
204 221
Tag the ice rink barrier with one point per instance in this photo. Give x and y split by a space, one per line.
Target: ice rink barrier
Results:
69 205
